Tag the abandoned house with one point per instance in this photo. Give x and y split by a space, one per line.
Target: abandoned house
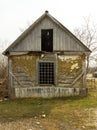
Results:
47 60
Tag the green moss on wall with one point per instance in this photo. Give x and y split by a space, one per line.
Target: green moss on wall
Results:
69 67
26 63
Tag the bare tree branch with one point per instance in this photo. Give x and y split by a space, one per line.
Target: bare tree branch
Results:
87 33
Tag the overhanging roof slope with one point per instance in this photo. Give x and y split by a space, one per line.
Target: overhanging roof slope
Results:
27 31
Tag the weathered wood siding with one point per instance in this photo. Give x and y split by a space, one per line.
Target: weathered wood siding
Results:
62 40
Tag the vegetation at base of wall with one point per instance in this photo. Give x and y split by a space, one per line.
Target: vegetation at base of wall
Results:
3 80
74 110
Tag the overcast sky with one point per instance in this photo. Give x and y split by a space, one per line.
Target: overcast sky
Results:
16 14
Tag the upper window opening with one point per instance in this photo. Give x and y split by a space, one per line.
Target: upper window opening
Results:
47 40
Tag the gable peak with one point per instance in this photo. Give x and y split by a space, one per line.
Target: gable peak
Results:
46 11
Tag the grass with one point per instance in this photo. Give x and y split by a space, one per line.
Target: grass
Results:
73 110
14 109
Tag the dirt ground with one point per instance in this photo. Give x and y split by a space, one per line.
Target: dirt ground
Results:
48 124
31 124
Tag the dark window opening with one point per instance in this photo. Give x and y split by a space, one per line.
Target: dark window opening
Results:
46 73
47 40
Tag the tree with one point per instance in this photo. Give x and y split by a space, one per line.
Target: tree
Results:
3 70
87 33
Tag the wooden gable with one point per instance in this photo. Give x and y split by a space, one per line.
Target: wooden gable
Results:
63 39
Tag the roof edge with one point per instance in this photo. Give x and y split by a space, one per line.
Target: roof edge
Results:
27 31
20 37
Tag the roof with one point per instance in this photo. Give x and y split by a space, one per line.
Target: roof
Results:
27 31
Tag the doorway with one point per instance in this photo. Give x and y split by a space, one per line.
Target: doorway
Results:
47 40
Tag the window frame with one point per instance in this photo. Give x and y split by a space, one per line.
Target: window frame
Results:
38 69
44 46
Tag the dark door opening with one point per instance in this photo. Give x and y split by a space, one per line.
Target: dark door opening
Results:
47 40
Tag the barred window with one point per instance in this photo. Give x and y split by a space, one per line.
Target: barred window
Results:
46 73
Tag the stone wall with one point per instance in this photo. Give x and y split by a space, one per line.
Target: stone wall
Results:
24 75
49 92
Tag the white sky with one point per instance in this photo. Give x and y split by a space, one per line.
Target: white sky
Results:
14 14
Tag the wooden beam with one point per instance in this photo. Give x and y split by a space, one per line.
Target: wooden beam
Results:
16 79
10 70
78 77
84 74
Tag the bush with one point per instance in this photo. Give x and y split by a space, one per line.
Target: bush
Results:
3 81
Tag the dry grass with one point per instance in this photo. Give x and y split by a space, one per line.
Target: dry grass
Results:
72 113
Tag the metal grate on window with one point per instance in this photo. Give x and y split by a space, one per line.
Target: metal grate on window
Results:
46 73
